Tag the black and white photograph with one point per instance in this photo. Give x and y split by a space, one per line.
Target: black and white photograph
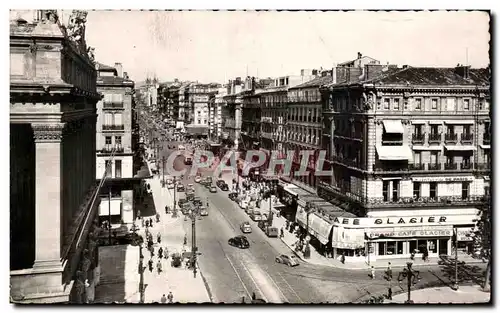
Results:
246 157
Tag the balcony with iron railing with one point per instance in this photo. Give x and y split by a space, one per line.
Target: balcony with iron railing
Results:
112 148
346 161
466 166
450 138
434 138
418 138
467 139
112 127
112 105
416 167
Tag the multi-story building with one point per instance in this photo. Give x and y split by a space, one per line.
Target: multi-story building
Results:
274 111
53 190
217 113
231 112
304 126
114 144
168 102
200 98
410 153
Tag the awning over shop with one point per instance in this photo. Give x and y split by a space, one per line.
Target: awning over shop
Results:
104 209
320 228
393 126
464 233
429 148
348 238
197 130
460 148
291 189
459 122
388 153
301 217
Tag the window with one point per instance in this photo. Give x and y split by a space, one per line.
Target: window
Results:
396 104
118 168
416 190
434 129
199 121
450 130
385 190
108 168
108 140
417 157
395 190
118 140
465 190
467 129
418 104
417 130
466 104
387 104
118 119
108 119
432 190
451 104
434 104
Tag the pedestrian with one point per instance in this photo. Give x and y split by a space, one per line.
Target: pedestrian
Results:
160 253
139 214
158 237
147 224
389 271
342 258
166 253
373 272
142 222
150 265
389 293
163 299
152 251
282 233
170 297
158 266
150 222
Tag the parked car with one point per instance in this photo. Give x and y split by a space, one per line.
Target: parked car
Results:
182 201
180 187
197 201
203 211
213 189
222 185
244 204
190 187
256 216
197 179
290 260
240 242
246 228
233 196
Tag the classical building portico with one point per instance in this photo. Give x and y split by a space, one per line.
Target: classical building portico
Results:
52 157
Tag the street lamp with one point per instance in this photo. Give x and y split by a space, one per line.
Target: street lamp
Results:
412 276
193 213
141 275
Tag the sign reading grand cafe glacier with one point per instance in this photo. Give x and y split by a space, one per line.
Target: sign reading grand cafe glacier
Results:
392 237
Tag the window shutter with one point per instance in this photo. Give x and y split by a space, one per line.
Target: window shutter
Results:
118 119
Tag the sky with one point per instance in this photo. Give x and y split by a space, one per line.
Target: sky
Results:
217 46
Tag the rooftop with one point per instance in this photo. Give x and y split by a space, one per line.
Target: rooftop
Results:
426 76
114 80
316 82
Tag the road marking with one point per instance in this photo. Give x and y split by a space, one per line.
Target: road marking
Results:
286 282
277 287
254 282
238 275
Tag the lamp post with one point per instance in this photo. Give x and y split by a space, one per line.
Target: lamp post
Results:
193 213
163 171
141 275
455 237
412 277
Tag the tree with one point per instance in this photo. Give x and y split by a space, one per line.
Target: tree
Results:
481 237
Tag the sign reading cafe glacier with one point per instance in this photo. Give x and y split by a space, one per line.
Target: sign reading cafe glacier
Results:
386 221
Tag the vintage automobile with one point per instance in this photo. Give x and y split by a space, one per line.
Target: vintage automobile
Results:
246 228
213 189
197 179
240 242
233 196
290 260
180 187
203 211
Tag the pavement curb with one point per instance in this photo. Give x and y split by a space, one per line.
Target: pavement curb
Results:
207 286
365 266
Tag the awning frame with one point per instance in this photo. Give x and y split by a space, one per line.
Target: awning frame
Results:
460 148
393 126
385 155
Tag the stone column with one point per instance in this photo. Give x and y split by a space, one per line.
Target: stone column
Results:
48 195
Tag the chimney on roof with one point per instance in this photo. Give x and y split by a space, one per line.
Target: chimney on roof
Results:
463 71
119 69
359 55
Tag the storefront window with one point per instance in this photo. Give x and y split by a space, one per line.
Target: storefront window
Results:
413 246
381 248
399 249
391 247
432 245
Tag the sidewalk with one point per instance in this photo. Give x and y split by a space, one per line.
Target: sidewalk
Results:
180 281
444 295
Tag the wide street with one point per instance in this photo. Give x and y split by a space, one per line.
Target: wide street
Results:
232 273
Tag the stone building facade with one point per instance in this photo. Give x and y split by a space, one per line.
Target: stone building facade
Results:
410 153
114 144
54 194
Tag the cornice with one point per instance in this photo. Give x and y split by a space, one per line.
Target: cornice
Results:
48 132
